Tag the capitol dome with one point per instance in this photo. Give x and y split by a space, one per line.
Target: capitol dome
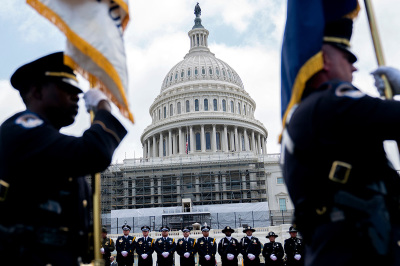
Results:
202 107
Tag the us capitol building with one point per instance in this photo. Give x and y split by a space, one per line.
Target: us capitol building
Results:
204 154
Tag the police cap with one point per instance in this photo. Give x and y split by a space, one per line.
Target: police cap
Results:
126 227
228 229
145 228
338 33
50 68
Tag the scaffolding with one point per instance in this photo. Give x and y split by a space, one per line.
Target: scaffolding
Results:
206 180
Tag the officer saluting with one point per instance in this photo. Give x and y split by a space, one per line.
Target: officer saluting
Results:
125 247
228 248
144 248
206 247
186 248
43 170
273 251
165 248
294 248
250 247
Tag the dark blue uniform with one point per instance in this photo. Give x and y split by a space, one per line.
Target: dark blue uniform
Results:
276 249
250 246
226 246
184 246
167 245
145 247
125 244
338 176
294 246
48 196
206 247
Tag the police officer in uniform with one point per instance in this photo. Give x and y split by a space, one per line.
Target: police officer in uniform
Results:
228 247
250 247
185 248
144 247
273 251
165 248
42 170
333 141
206 247
294 249
125 247
107 246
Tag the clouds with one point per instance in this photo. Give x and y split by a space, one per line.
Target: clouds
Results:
246 34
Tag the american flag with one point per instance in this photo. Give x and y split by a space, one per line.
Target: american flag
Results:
187 151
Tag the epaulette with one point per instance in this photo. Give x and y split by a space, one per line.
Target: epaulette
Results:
28 120
345 89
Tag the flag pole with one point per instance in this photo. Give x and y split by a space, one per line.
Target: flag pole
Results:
377 45
96 181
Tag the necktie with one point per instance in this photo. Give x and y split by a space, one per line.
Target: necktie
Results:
145 239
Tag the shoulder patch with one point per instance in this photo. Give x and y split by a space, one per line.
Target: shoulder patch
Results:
344 90
29 121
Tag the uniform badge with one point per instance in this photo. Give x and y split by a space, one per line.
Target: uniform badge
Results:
160 241
140 242
130 241
120 240
29 121
201 243
180 242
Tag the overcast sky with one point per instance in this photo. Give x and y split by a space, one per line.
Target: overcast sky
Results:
247 34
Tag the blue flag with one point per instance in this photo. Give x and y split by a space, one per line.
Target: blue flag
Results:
302 42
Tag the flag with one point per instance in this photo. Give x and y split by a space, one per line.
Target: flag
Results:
95 46
187 144
301 55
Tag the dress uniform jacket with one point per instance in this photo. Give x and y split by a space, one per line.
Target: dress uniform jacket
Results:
165 245
183 246
206 247
109 246
45 171
276 249
334 141
293 246
145 247
226 246
250 246
125 244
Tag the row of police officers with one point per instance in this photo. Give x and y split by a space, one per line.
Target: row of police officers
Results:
228 248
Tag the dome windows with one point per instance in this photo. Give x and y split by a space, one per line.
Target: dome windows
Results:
176 75
196 105
232 107
203 71
205 104
224 105
217 71
182 73
171 110
178 106
188 72
215 104
196 71
187 106
210 71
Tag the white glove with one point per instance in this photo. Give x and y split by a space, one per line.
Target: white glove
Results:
251 256
393 76
273 257
102 250
230 256
186 255
297 257
92 98
165 254
144 256
207 257
124 253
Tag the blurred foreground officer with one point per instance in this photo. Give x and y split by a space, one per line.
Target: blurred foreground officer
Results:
165 248
125 247
334 143
144 248
250 247
107 246
206 247
273 251
42 171
186 248
294 249
228 248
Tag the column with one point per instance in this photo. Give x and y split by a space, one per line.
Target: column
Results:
160 146
152 189
203 139
253 142
246 140
197 188
236 139
133 191
214 138
263 145
154 146
244 186
258 143
169 142
232 136
225 146
159 191
178 189
216 182
180 141
148 148
174 148
144 149
192 140
224 196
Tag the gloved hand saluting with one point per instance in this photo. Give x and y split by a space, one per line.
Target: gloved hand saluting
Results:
92 99
393 76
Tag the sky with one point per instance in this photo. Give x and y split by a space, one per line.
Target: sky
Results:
246 34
